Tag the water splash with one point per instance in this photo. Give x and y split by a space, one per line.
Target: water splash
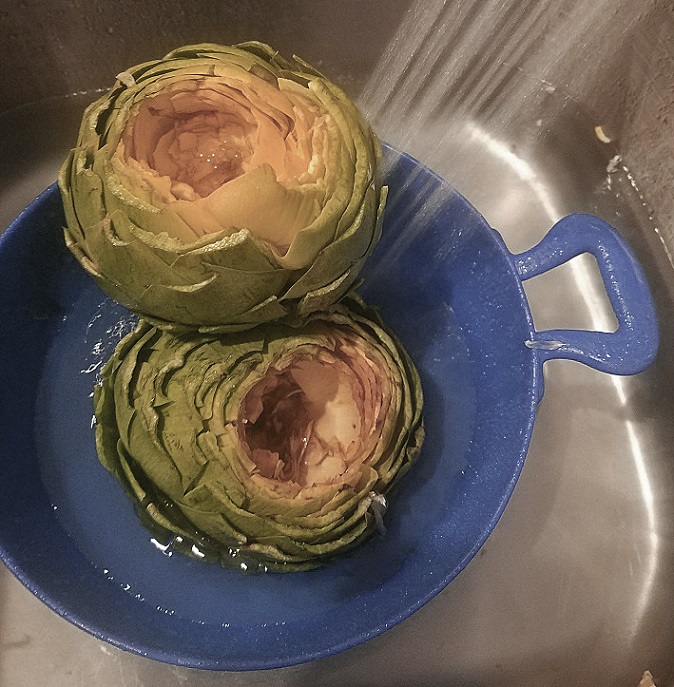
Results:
109 324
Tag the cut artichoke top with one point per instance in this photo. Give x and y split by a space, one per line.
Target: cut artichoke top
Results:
272 447
221 187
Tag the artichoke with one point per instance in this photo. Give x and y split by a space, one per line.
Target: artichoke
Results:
221 187
266 449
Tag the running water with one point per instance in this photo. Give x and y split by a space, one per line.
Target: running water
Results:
490 95
494 63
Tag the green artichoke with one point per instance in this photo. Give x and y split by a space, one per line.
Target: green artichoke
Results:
266 449
221 187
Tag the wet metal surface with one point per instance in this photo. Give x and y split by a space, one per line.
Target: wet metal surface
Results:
576 584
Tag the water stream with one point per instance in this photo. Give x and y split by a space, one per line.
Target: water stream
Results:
497 63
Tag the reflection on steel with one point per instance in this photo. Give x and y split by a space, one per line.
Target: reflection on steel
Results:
643 599
521 167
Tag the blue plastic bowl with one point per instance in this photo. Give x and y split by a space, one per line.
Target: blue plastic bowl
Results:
445 282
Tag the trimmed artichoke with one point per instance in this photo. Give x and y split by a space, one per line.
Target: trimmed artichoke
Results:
266 449
222 187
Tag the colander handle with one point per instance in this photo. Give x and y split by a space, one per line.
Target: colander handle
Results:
632 347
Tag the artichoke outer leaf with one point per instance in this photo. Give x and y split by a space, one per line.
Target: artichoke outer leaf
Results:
333 258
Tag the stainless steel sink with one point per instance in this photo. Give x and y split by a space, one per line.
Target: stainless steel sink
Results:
532 110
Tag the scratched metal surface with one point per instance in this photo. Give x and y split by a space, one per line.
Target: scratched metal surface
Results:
576 584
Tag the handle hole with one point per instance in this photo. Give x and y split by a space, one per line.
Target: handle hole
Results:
571 296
